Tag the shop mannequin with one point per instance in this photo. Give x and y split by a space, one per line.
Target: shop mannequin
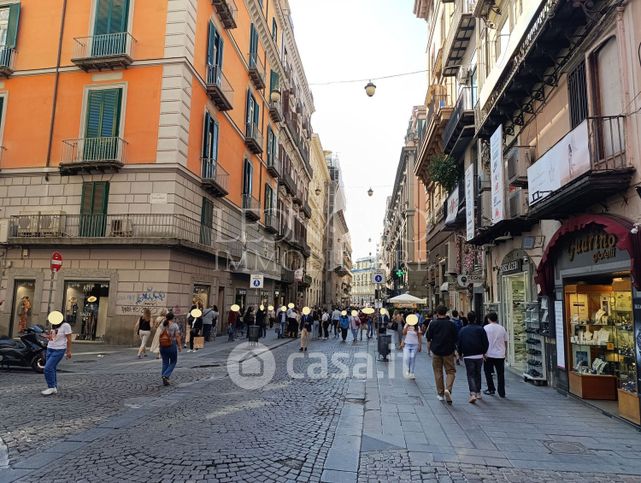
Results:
24 311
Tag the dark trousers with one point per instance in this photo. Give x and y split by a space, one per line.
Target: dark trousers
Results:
473 368
499 364
344 334
192 333
207 331
326 329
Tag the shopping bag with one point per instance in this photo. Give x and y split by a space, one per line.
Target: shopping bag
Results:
199 342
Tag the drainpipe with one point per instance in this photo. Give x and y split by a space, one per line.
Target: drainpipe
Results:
55 87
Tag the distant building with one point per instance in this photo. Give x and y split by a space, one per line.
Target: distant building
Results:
363 287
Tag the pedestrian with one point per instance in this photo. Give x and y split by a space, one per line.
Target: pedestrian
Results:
214 326
344 324
155 343
399 322
495 357
261 321
208 322
271 314
249 319
58 347
370 326
170 345
325 319
459 325
412 344
385 321
282 321
336 316
473 344
441 342
305 333
232 323
143 330
316 324
195 326
354 325
291 321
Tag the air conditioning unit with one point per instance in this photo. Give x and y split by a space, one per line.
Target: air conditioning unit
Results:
519 159
451 258
463 76
52 224
483 182
517 201
27 225
122 227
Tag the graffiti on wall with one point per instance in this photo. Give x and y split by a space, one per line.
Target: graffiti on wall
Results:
135 303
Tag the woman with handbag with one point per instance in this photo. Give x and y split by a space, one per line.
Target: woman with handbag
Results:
143 330
170 345
155 343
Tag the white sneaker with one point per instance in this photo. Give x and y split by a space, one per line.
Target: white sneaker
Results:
412 376
49 392
406 374
448 397
440 398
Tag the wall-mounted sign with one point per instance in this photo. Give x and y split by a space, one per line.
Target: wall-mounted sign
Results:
469 202
561 164
600 246
497 175
158 198
513 266
452 207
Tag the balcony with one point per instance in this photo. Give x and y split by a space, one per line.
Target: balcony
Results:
273 166
227 12
256 70
454 208
287 181
458 36
219 89
307 210
119 230
215 179
7 55
271 220
589 176
253 138
101 52
251 207
286 275
297 197
92 155
306 249
306 282
438 115
459 130
276 111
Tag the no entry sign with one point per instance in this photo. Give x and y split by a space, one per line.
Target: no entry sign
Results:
56 261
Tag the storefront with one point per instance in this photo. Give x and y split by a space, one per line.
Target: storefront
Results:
517 291
590 274
85 307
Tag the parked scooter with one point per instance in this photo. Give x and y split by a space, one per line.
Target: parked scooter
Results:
28 351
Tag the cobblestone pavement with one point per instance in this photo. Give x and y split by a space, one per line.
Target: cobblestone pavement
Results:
116 423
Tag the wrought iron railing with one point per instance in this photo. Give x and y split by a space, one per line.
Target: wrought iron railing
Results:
105 45
227 11
251 205
271 218
464 103
254 134
215 77
607 142
7 55
93 149
256 67
211 170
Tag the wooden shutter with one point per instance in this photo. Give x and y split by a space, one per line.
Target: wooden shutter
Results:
12 27
270 146
103 113
206 221
253 41
111 16
274 81
268 197
93 208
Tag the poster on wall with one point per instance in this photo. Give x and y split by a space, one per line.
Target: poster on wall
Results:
497 174
563 162
469 202
560 339
452 207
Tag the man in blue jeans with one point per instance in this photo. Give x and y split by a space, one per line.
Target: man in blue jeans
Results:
59 345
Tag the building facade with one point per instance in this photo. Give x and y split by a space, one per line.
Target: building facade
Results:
550 175
174 159
364 289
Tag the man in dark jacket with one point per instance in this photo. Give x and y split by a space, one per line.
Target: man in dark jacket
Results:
441 342
473 344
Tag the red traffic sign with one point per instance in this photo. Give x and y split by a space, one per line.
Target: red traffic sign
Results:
56 261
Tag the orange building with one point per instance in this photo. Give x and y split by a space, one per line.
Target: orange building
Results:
161 147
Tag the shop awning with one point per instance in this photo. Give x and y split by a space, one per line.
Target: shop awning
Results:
611 224
406 298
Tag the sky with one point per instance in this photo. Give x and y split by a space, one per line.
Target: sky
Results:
361 39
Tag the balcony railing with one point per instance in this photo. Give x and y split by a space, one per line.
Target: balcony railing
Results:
460 127
256 70
297 198
251 207
215 179
307 210
273 166
276 111
107 51
287 275
254 138
227 12
271 220
93 153
123 229
458 36
219 89
288 182
7 55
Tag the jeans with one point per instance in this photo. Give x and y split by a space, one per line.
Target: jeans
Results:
54 356
438 363
354 334
281 334
473 368
343 334
409 357
207 331
326 329
336 329
499 364
169 358
370 329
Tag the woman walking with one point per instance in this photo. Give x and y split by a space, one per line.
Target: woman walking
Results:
155 343
412 344
170 345
59 345
343 322
354 325
144 330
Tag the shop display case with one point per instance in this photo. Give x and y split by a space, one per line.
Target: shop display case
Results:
535 329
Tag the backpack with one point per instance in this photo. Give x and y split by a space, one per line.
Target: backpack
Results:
165 339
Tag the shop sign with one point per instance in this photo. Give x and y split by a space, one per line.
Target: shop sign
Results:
599 246
469 202
497 175
452 207
298 275
513 266
560 336
636 311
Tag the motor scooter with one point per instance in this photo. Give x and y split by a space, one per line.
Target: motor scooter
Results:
29 350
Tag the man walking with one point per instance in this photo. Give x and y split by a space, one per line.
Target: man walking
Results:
208 322
441 342
473 344
325 322
336 315
495 357
459 325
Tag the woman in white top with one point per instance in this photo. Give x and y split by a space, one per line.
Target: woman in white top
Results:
59 345
411 345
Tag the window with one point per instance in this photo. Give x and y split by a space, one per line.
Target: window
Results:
253 44
93 209
272 143
110 27
274 81
248 170
9 17
578 95
103 124
210 147
269 198
206 221
253 113
214 55
275 31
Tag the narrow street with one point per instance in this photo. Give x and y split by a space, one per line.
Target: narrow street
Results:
113 421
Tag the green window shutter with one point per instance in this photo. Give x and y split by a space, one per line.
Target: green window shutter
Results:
274 81
111 16
268 197
93 209
103 113
12 28
270 144
206 221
